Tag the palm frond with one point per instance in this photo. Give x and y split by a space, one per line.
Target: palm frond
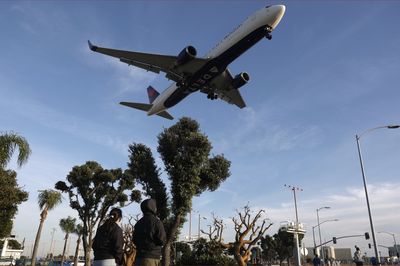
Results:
9 142
48 199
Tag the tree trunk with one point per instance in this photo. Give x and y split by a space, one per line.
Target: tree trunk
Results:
65 248
89 241
166 256
43 216
239 259
130 258
76 256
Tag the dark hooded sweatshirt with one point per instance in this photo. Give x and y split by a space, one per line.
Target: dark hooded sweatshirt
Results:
149 235
108 242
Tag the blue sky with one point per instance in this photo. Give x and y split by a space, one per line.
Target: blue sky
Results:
330 72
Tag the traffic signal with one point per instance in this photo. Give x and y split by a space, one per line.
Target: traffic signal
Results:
334 240
366 235
369 245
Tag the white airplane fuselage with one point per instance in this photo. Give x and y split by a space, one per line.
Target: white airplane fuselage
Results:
257 26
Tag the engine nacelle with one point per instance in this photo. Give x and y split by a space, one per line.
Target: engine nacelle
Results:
187 54
240 79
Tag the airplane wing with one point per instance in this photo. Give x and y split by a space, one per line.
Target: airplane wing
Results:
153 62
222 85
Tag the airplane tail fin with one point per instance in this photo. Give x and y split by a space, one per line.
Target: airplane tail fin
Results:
152 93
146 107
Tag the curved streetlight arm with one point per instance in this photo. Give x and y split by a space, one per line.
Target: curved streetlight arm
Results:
380 232
394 240
374 128
331 220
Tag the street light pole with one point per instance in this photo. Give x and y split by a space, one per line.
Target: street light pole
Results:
394 240
319 232
377 256
313 237
198 231
190 225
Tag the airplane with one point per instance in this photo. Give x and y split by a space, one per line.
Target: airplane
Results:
208 74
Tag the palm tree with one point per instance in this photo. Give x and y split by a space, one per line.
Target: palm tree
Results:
8 143
79 231
47 200
67 226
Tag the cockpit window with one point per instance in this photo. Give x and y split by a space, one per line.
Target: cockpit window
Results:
267 6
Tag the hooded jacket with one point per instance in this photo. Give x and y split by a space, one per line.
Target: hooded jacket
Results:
149 234
108 242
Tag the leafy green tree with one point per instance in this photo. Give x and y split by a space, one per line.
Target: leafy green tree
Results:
207 253
67 225
8 144
284 245
185 152
92 190
11 195
79 231
181 250
268 246
12 244
47 200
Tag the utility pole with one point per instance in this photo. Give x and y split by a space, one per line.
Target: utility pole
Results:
296 231
51 243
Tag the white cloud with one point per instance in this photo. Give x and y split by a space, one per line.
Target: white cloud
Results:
51 118
34 19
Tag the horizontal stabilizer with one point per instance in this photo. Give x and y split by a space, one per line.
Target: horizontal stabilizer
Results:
166 115
141 106
146 107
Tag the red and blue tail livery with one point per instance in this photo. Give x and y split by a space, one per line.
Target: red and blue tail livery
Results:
152 93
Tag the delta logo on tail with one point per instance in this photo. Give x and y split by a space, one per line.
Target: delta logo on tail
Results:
152 93
209 74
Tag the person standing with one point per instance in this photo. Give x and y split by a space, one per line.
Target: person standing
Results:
316 261
358 257
148 235
108 242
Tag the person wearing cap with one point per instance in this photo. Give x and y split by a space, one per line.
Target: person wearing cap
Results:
148 235
358 257
108 242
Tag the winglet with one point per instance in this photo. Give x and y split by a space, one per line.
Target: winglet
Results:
92 47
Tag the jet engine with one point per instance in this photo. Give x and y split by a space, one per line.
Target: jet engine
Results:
187 54
240 79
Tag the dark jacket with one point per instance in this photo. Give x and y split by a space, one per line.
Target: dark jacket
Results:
149 235
108 243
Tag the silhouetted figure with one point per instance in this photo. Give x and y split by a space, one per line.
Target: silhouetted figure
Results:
316 260
374 261
148 236
358 257
108 242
